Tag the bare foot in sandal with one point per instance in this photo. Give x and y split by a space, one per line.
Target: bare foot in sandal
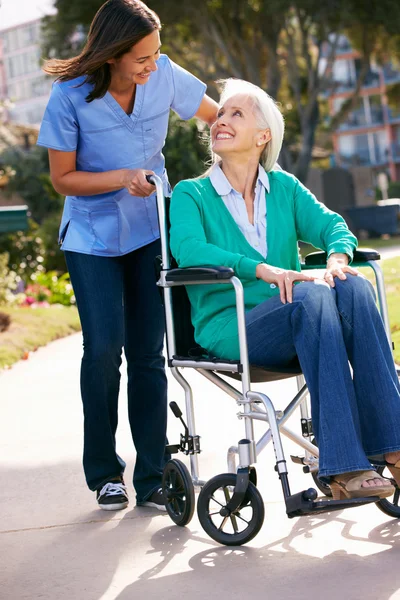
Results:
360 484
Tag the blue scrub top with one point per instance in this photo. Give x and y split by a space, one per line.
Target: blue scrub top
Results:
106 138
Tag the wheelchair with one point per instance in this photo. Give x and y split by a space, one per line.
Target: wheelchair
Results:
230 507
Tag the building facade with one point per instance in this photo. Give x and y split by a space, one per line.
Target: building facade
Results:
370 134
21 79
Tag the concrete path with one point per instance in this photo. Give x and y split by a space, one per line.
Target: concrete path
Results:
389 252
55 544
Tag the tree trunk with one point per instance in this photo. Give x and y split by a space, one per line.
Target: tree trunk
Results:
309 127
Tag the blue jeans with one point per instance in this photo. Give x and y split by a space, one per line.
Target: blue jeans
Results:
119 306
353 417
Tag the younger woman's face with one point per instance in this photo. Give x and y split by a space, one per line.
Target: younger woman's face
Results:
236 130
138 64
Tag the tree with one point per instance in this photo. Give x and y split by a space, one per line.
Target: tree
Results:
31 180
185 150
287 47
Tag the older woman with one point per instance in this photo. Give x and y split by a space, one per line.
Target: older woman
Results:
248 215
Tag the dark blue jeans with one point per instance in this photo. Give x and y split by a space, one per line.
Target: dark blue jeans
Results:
119 306
354 417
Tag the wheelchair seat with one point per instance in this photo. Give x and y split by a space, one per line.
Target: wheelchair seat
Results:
188 349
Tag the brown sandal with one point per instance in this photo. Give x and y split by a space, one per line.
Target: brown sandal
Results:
349 485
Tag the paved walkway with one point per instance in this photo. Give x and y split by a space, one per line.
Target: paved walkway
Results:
389 252
55 544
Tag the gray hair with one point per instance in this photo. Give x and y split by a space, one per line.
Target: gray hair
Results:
267 114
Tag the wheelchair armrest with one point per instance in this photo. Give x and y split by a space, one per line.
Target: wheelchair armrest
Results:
199 274
361 255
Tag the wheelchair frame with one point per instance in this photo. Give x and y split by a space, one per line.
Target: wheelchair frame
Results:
254 405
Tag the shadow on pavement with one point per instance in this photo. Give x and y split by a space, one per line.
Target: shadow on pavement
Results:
271 573
60 546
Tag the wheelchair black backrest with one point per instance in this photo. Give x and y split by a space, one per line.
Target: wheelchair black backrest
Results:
185 343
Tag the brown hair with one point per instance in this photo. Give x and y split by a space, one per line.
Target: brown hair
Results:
117 26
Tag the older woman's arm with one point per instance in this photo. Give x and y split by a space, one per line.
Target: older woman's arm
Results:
318 225
324 229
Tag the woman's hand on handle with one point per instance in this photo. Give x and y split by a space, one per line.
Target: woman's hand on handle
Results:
283 278
136 183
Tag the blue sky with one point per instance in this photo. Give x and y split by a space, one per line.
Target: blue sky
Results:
15 12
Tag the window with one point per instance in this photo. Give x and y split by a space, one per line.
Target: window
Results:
376 110
355 148
381 146
29 35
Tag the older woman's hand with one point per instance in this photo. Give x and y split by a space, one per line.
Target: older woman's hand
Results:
283 278
338 266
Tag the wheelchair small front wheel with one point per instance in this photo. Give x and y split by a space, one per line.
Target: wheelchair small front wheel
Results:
240 526
390 506
178 492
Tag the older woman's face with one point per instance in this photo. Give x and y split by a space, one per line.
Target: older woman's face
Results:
236 130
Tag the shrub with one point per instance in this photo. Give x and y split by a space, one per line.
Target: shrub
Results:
10 283
26 251
393 190
185 152
54 288
31 181
54 259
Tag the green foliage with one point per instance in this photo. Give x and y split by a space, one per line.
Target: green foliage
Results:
275 44
54 259
26 251
9 282
72 17
393 190
31 181
59 287
185 152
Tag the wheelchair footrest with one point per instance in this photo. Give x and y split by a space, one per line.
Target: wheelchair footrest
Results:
305 503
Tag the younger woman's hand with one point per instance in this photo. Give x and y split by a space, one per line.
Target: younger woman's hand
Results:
283 278
136 183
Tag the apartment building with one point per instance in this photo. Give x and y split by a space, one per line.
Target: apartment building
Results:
370 135
21 79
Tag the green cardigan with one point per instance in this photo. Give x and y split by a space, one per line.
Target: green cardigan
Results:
203 232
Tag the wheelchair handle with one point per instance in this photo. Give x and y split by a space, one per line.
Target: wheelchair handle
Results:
150 179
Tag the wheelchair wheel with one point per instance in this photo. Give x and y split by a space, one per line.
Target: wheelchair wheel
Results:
323 487
390 506
178 492
240 526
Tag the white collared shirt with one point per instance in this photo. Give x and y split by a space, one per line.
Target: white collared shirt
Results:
255 234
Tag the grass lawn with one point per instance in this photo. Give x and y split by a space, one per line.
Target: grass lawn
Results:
374 243
391 272
32 328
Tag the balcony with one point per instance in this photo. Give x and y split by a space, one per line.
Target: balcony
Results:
357 119
362 158
372 80
390 74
